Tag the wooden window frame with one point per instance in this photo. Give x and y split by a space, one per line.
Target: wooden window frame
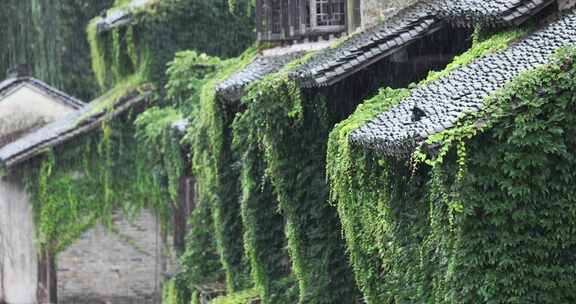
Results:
314 27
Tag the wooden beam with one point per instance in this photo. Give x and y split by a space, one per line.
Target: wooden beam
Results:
294 14
259 27
268 14
303 17
284 21
313 13
47 291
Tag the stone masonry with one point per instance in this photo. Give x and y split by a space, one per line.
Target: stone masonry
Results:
123 266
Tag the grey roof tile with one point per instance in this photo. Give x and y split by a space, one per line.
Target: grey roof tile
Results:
232 88
397 132
63 129
120 16
408 25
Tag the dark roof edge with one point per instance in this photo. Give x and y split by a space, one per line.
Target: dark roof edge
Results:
326 73
85 125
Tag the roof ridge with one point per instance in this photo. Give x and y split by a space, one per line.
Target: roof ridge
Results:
408 25
60 96
442 102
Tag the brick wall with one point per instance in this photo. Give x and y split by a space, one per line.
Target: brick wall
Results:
120 266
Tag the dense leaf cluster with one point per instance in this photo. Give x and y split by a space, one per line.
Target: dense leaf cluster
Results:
84 181
214 249
290 130
159 31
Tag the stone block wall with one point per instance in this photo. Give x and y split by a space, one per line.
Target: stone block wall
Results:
125 265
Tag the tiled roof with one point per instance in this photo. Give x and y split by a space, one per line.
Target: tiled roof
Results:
233 88
437 107
120 16
10 84
70 126
408 25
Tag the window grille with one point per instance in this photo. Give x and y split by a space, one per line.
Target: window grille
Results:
276 16
330 12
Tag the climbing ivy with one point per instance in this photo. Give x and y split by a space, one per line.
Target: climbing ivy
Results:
214 165
281 137
246 296
458 226
82 182
291 128
161 29
187 74
264 233
154 128
516 193
171 294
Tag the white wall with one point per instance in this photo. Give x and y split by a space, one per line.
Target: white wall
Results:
26 107
18 260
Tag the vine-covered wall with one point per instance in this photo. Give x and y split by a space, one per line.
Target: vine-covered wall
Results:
214 248
160 30
485 220
264 225
290 128
215 165
85 180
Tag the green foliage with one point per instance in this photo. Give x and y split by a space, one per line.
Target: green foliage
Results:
201 261
242 297
355 179
214 166
264 235
290 130
160 30
488 222
214 248
154 129
187 73
195 298
84 181
171 294
517 193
